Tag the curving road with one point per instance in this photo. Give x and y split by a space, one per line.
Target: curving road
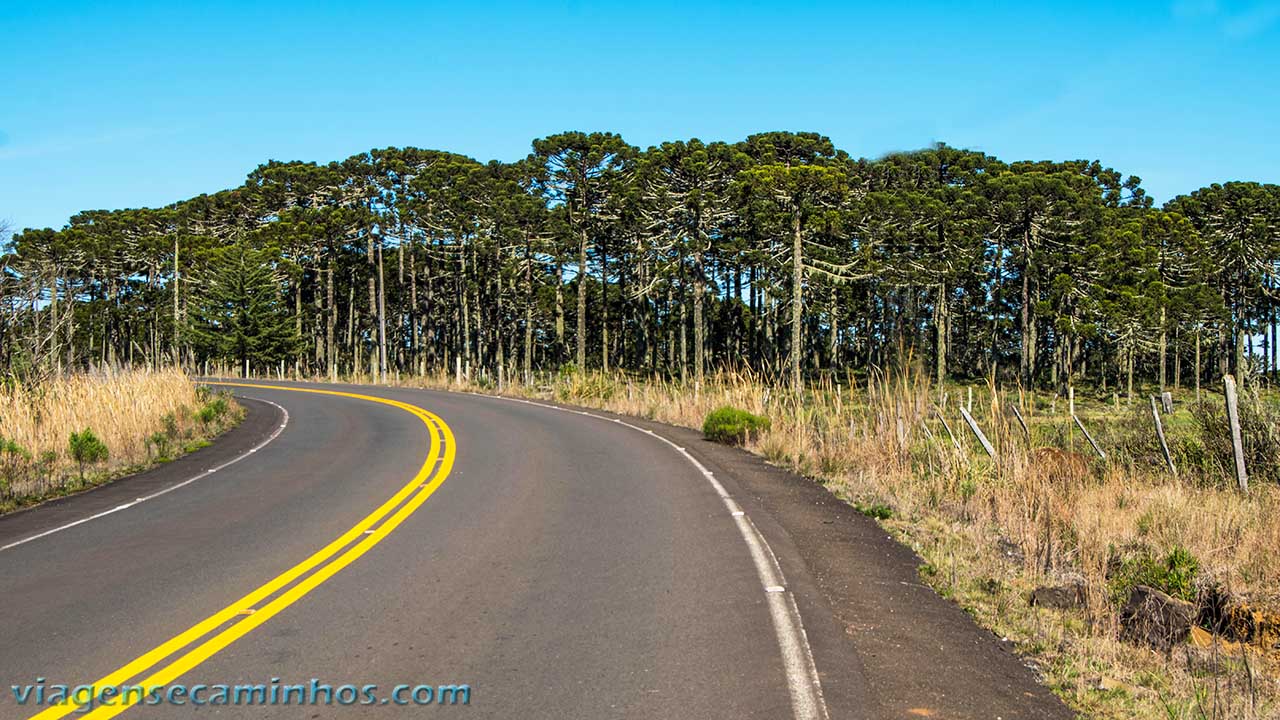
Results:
560 565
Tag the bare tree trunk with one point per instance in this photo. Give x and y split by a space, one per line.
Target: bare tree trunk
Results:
1024 316
604 308
1198 331
527 357
582 300
940 340
1164 347
177 323
415 334
560 348
331 324
699 331
797 298
382 318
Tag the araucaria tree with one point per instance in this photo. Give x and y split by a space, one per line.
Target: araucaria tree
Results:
239 312
780 254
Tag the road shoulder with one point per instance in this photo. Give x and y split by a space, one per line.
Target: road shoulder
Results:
914 654
260 421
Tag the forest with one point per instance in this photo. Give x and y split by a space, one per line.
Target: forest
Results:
779 254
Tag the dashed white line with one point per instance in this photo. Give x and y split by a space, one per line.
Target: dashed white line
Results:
158 493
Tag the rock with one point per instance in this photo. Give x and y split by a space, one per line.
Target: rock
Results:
1059 597
1155 619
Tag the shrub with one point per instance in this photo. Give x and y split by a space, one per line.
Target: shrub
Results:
878 511
160 442
87 449
212 410
170 422
1259 430
733 426
1174 574
11 456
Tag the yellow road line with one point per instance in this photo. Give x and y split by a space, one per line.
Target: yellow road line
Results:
247 623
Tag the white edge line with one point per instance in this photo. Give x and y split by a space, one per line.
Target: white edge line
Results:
276 433
803 682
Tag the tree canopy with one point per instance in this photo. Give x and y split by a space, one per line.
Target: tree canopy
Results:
780 253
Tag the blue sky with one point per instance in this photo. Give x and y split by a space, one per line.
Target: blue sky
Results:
126 104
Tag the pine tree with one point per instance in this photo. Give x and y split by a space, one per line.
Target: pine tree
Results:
238 312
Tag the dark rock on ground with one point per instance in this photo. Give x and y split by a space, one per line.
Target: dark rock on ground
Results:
1155 619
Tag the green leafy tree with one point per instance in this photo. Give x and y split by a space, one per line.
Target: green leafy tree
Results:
239 313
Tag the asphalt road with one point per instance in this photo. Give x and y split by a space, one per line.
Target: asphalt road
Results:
558 564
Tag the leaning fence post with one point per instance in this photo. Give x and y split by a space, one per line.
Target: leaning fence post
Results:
973 425
1089 437
1164 445
1237 443
1023 423
947 425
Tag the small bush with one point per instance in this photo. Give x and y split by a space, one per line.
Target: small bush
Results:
879 511
733 426
160 442
1174 574
1259 430
212 410
170 422
87 449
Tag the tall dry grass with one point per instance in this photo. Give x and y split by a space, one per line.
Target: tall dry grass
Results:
1044 510
139 415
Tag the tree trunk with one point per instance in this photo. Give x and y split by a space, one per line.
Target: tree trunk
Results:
581 355
699 332
382 318
177 323
560 344
1164 347
527 358
940 339
1024 316
415 329
331 324
604 308
797 297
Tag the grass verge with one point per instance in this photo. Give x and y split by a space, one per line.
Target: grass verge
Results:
75 432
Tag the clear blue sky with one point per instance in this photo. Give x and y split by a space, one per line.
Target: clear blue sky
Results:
127 104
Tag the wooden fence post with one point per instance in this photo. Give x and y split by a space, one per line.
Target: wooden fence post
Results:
1164 445
1023 423
973 425
1237 443
1089 437
947 425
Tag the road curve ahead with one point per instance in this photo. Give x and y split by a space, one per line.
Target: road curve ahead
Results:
559 565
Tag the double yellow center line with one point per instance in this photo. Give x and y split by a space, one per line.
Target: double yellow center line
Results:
245 614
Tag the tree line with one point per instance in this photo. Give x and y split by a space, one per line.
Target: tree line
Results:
780 254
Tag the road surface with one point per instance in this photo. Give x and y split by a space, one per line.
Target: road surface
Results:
557 564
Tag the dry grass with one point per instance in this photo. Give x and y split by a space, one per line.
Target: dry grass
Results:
140 416
991 530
